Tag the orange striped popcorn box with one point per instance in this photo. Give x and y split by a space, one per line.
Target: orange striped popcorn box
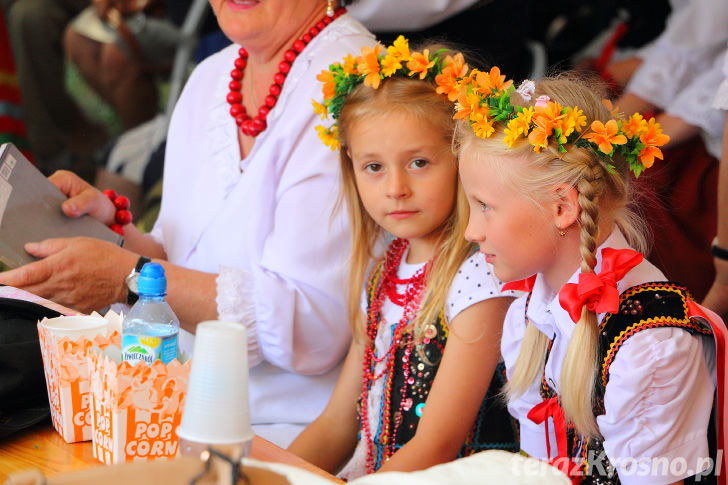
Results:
135 409
65 344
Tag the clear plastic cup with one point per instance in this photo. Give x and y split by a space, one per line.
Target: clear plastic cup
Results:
74 327
217 410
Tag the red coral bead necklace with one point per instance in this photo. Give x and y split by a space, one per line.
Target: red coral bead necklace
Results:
257 124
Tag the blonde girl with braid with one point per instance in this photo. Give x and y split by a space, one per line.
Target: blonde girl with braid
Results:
611 369
421 383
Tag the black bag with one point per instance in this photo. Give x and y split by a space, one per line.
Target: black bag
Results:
23 394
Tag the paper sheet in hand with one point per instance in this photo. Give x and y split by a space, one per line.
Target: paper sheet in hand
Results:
30 210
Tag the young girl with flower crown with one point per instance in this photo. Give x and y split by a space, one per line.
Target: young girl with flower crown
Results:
611 368
420 383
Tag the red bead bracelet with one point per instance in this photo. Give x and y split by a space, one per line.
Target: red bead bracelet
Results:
123 215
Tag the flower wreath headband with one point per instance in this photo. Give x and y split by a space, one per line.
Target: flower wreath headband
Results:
484 99
376 64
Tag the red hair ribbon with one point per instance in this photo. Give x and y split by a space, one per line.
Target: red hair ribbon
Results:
599 291
520 285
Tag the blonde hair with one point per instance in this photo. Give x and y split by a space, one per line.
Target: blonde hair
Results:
598 190
418 99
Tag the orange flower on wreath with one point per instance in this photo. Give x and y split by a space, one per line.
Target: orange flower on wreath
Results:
368 65
467 104
606 135
653 137
548 117
493 81
613 110
329 88
420 63
447 80
539 138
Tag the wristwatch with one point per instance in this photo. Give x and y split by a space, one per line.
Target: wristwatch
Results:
717 251
132 281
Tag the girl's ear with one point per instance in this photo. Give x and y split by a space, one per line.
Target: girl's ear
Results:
566 208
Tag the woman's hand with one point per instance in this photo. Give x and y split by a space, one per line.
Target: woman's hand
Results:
82 273
83 198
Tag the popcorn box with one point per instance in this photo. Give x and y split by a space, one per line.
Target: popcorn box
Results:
135 410
66 371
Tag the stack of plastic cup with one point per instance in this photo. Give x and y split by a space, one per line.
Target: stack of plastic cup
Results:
217 411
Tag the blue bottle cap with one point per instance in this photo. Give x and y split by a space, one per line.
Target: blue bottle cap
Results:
152 281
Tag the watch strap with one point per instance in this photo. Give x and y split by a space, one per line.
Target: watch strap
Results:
717 251
132 296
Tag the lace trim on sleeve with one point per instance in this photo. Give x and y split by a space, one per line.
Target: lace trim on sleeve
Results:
235 303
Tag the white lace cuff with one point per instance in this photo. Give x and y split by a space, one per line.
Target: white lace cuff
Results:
235 304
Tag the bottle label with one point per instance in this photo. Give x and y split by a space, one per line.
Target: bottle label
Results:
148 349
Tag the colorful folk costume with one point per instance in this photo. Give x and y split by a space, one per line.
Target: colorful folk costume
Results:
681 341
659 352
400 363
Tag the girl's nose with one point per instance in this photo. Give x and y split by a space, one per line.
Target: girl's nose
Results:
473 233
397 185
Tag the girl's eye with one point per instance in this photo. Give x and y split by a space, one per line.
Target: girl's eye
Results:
372 167
483 206
419 163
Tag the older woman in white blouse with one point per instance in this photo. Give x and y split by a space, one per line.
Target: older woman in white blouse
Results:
246 230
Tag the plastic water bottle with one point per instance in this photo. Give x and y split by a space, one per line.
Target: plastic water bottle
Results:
150 330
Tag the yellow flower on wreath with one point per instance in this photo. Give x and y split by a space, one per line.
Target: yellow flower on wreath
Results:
574 120
482 126
320 109
329 136
634 126
518 126
400 49
349 66
390 65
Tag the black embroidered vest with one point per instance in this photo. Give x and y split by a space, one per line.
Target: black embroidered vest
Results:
649 305
494 428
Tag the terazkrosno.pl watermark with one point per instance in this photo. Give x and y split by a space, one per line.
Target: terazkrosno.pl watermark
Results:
639 467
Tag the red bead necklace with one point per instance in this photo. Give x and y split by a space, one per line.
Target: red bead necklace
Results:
254 126
411 303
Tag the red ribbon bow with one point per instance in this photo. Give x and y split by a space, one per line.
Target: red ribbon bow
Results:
599 291
540 413
550 408
520 285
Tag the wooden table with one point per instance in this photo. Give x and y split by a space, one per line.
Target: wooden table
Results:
43 448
